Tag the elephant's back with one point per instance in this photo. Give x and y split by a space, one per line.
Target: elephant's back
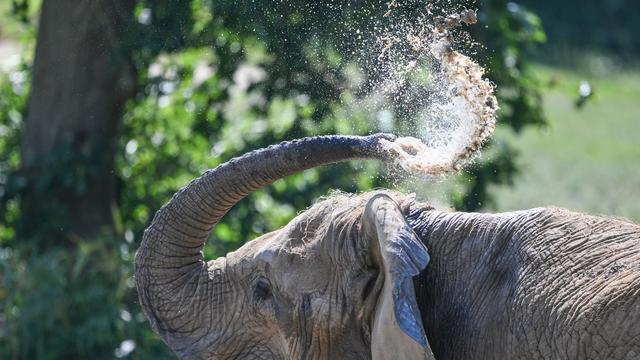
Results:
579 286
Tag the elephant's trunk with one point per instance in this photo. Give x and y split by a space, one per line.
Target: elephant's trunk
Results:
170 269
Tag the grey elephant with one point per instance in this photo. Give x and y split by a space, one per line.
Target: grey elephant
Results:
348 278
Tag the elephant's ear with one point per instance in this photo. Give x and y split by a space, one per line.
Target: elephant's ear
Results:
397 331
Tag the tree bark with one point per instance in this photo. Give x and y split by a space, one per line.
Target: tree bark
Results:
81 79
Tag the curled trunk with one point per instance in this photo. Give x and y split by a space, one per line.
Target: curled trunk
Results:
171 275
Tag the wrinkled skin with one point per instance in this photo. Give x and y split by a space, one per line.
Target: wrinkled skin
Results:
544 283
338 281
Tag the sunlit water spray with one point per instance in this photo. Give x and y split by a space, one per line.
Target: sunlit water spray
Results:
402 75
439 95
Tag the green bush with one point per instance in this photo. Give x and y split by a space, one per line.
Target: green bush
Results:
68 303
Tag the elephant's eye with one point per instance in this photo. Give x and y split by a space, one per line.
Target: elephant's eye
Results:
262 290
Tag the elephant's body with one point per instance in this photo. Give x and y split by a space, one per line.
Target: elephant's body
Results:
347 279
545 283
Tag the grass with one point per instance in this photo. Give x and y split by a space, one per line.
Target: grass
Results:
587 159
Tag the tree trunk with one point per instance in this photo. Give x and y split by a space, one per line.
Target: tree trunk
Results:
81 79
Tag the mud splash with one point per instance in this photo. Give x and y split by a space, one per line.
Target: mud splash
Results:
454 114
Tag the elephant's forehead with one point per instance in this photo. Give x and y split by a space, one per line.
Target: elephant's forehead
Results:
249 249
281 248
289 245
300 234
291 268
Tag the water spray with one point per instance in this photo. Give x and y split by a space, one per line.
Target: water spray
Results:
454 114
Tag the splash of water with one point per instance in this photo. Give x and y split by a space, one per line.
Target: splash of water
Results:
441 93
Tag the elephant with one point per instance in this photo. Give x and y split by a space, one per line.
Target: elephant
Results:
382 275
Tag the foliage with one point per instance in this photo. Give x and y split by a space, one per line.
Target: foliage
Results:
72 303
500 168
609 26
14 88
214 80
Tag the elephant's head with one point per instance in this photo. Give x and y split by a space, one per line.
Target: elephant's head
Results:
336 282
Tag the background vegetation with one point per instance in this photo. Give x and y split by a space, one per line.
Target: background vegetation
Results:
189 87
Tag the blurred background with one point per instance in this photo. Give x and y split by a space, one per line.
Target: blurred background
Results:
108 107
